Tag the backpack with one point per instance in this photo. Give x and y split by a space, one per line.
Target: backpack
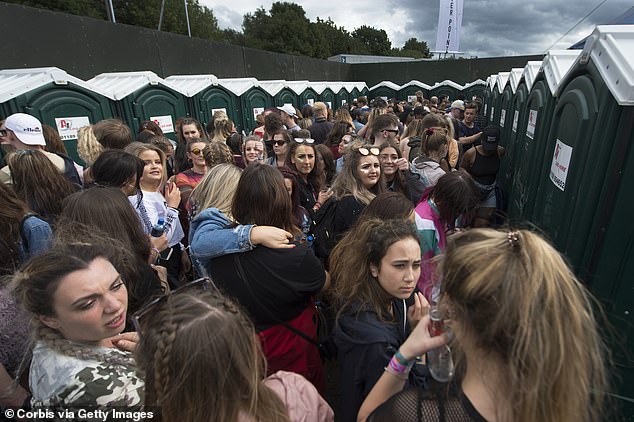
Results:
324 229
414 143
70 172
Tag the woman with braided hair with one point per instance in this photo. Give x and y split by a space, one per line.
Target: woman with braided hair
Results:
201 361
79 302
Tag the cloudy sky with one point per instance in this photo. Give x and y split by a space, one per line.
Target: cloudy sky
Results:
489 27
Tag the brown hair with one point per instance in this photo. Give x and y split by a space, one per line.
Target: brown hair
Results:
217 153
112 134
12 211
54 143
523 306
347 182
315 178
455 194
202 361
364 244
38 182
388 205
261 198
149 125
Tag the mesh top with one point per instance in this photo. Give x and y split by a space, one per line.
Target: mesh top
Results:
416 404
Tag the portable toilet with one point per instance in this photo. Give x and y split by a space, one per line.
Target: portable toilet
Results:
363 88
341 95
205 97
496 111
489 96
446 87
325 94
408 91
533 130
56 98
279 92
355 92
140 96
506 122
385 90
305 94
474 89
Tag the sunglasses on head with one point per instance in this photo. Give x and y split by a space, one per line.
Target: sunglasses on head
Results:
196 151
367 151
203 283
306 140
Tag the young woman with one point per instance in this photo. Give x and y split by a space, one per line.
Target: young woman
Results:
301 217
218 153
88 148
338 131
189 129
301 159
187 180
22 233
225 379
281 143
389 205
78 300
358 183
118 169
347 141
108 212
519 319
213 230
234 142
325 165
38 183
275 286
426 169
393 166
374 270
454 196
223 128
151 205
253 150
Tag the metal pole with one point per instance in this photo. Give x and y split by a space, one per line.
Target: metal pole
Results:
189 30
114 20
161 15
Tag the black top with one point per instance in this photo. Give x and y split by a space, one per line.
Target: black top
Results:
307 195
320 129
281 282
485 167
417 405
346 214
469 131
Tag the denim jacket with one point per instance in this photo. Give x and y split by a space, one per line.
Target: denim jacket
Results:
37 237
211 234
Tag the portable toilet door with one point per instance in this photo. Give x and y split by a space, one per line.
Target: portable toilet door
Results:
143 96
306 95
506 122
341 95
56 98
489 97
408 91
496 111
253 99
385 90
363 89
205 97
474 89
325 94
448 88
279 92
355 94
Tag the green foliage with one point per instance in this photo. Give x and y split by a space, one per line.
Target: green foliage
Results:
283 29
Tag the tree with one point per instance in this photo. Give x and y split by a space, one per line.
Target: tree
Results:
90 8
374 40
420 48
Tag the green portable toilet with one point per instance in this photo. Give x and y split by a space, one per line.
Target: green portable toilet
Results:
349 87
142 96
385 90
325 94
585 197
496 111
489 96
279 92
533 130
355 93
408 91
363 88
474 89
253 99
56 99
305 94
341 95
519 86
205 97
446 87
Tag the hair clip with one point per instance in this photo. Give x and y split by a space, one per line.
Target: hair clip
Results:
513 238
429 131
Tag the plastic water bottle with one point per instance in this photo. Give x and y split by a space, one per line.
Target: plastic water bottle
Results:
439 360
159 228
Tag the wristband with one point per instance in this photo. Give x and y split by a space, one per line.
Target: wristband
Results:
399 366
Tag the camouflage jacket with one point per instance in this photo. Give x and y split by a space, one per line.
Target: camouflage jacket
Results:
59 381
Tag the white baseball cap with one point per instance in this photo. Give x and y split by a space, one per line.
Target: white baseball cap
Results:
288 109
27 128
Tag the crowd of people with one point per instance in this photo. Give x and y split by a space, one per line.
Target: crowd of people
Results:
221 276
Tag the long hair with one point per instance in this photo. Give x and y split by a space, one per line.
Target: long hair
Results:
414 128
315 178
115 168
329 170
222 130
38 182
388 205
88 148
347 183
365 243
181 163
35 284
201 361
343 115
12 212
339 129
522 305
297 211
261 198
54 143
137 148
455 195
399 182
217 153
216 190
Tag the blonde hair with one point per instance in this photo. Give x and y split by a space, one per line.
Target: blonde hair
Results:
222 130
512 296
216 190
202 361
88 148
137 148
